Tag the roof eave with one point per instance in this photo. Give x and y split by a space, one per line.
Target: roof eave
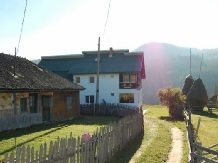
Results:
107 51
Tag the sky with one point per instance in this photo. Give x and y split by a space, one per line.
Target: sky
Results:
60 27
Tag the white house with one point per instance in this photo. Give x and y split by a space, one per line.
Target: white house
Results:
120 74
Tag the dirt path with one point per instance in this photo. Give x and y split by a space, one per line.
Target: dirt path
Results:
175 155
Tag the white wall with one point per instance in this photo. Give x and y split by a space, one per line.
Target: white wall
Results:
108 83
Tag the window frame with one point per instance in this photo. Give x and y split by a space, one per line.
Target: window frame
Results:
126 98
23 105
31 101
135 78
129 78
69 102
89 99
91 79
77 79
125 78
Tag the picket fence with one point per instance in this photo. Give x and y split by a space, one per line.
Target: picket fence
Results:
108 109
198 153
19 121
103 144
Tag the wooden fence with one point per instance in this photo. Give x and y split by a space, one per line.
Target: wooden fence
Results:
6 112
108 109
19 121
198 153
102 146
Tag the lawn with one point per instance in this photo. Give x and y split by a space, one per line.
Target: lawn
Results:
152 147
208 132
39 134
155 145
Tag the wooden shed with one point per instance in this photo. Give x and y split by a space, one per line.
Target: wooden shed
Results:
26 88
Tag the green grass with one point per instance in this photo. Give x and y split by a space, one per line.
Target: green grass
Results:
152 147
155 145
208 132
39 134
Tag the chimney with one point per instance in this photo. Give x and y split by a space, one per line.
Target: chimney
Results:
111 52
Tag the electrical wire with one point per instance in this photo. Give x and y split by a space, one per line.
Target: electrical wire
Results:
21 28
106 18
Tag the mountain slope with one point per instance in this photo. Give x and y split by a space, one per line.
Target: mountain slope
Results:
167 64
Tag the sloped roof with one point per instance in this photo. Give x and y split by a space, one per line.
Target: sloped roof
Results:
30 77
121 61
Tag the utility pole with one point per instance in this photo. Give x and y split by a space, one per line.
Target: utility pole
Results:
201 66
14 94
190 60
97 83
15 55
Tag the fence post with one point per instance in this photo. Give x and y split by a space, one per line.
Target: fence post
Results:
199 152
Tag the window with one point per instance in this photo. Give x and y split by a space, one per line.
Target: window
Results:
90 99
125 77
91 79
133 78
31 101
69 103
129 78
23 104
126 97
77 79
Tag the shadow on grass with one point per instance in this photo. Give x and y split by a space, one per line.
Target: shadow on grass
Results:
171 119
128 151
206 114
20 144
83 120
52 127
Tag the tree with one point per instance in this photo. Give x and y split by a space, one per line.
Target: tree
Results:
197 96
172 98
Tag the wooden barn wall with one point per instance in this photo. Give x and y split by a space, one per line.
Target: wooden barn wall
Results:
61 110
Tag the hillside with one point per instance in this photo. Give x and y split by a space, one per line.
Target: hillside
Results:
167 64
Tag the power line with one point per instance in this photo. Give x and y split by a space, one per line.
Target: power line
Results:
21 28
106 18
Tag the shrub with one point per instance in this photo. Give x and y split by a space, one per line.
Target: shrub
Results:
173 99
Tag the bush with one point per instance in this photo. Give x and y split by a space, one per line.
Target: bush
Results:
173 99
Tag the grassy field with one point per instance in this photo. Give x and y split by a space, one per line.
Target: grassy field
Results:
39 134
155 145
152 147
208 132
